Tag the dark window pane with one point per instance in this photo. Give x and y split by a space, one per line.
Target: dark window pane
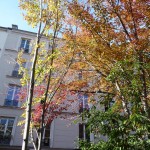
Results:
3 121
15 73
47 131
6 130
12 96
2 127
86 101
11 122
47 135
27 46
25 43
10 93
8 102
81 131
16 94
9 130
28 42
87 133
26 50
15 103
83 102
16 67
1 132
22 43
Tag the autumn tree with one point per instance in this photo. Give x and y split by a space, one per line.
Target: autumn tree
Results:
32 79
113 41
107 45
46 15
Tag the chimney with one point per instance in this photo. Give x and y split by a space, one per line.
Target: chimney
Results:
14 26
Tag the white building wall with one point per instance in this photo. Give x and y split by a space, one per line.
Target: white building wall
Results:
64 134
16 139
3 37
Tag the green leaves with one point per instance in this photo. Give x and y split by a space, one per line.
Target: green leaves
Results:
121 131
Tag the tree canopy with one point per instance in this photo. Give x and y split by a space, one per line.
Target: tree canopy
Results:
104 49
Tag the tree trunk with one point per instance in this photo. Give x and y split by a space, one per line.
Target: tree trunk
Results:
31 86
144 86
47 88
30 96
124 103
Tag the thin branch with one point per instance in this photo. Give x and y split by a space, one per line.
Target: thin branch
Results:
121 21
135 30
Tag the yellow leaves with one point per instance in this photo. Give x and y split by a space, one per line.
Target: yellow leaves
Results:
32 10
20 123
23 115
20 56
77 85
79 65
105 85
128 18
92 101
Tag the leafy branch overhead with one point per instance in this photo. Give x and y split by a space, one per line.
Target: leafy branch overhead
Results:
103 48
113 40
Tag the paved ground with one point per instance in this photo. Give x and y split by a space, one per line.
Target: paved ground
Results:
19 148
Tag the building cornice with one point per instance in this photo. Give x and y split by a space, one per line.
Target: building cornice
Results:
19 31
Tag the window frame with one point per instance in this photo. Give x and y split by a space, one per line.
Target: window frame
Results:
84 133
12 99
26 50
6 128
83 102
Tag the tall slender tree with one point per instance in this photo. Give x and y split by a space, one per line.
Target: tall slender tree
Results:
45 15
32 83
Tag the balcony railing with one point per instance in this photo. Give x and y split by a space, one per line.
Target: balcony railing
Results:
11 102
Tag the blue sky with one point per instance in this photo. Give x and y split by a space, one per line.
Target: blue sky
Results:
10 14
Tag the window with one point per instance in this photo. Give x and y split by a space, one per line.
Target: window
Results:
84 132
83 102
46 135
6 126
25 43
15 72
83 105
12 96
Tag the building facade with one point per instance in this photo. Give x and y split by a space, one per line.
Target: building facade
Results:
62 133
